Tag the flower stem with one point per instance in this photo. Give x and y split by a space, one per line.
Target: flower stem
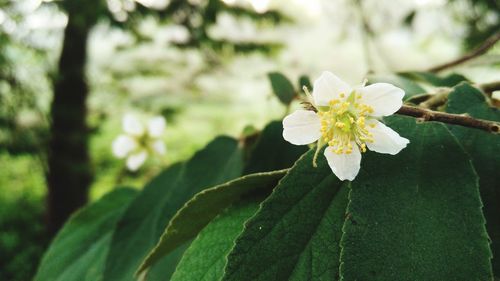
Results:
455 119
319 145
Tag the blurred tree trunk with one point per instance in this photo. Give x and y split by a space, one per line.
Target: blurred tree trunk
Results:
69 171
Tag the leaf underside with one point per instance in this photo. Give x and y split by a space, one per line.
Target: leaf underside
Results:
206 257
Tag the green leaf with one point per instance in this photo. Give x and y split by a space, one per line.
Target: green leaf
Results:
269 153
409 18
249 131
435 80
416 215
282 87
272 152
206 257
296 232
411 88
80 248
165 267
305 81
484 148
147 216
205 206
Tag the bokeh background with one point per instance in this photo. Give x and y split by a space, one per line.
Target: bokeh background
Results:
203 65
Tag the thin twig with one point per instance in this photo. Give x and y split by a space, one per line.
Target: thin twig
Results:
437 99
483 48
455 119
418 99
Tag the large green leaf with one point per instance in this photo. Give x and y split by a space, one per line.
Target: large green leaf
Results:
416 215
271 152
484 148
80 248
282 87
295 234
165 267
206 257
205 206
147 216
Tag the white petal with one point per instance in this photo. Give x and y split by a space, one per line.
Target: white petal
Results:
385 139
156 126
344 166
328 87
301 127
132 125
135 161
159 147
123 145
384 98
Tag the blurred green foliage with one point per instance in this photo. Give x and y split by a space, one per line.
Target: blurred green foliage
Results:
480 21
22 235
21 127
197 17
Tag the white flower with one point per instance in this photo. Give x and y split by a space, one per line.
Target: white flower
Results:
346 120
139 140
495 95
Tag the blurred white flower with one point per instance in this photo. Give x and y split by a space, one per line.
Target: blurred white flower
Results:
139 140
495 95
346 121
132 125
260 6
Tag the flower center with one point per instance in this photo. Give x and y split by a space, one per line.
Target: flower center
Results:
343 123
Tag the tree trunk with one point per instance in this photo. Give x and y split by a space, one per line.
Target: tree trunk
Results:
69 173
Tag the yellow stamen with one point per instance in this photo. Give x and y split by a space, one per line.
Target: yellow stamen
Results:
343 124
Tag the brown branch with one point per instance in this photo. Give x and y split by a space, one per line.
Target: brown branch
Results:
490 87
483 48
436 100
455 119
